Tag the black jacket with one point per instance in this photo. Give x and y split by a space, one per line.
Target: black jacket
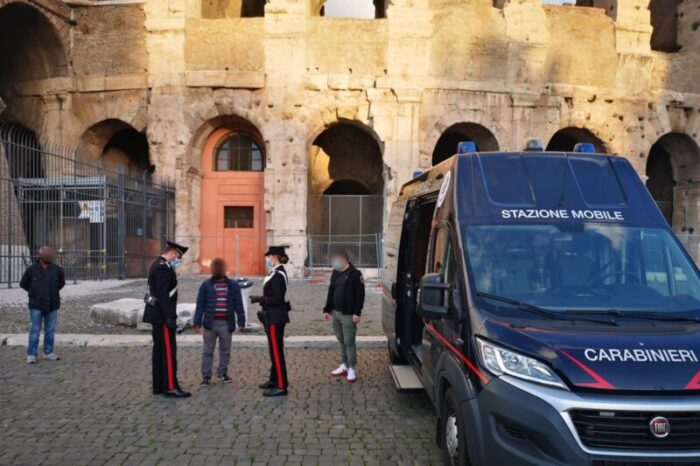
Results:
43 286
162 280
353 295
274 301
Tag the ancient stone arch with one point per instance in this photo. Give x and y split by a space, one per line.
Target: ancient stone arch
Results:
446 145
36 37
456 118
346 181
116 145
673 179
206 128
565 139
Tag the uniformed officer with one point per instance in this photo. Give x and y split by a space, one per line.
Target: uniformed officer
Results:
161 313
275 316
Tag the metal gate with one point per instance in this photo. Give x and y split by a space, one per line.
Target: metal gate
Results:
102 223
350 222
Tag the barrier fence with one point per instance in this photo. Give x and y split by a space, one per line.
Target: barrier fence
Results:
102 223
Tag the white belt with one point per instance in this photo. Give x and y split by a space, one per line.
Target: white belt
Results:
172 292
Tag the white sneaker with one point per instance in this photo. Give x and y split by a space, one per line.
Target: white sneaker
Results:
352 376
341 370
31 359
52 357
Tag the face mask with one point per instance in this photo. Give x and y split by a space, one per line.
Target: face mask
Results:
268 263
337 265
175 263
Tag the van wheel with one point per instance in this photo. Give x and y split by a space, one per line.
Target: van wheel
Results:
394 357
452 436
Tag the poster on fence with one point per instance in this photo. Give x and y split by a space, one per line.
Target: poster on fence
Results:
93 210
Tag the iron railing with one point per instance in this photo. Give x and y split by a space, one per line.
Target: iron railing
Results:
102 223
350 222
364 250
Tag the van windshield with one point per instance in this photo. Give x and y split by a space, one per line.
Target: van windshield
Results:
585 266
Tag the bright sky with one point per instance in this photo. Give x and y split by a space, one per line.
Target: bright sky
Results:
349 9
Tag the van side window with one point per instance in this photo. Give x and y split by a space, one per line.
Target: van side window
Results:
443 260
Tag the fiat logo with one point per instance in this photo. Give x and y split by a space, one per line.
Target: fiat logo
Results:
660 427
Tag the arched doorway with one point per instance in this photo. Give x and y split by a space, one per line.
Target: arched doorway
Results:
673 174
346 194
29 45
232 220
116 146
446 146
566 139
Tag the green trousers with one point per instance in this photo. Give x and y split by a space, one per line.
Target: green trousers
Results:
345 331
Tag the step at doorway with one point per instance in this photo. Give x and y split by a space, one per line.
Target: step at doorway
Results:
405 378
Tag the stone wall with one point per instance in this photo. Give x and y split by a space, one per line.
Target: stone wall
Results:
519 70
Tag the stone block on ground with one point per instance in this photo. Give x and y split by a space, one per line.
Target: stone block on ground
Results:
123 312
185 317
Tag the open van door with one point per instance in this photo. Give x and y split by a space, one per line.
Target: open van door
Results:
440 303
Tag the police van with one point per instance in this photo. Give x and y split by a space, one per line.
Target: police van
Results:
544 305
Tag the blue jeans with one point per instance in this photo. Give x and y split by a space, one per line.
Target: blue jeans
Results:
49 319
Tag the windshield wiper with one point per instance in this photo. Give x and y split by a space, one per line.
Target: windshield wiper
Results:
540 310
636 315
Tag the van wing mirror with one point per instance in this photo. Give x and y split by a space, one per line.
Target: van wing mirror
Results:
431 301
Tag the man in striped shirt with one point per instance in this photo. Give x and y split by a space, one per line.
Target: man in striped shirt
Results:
219 306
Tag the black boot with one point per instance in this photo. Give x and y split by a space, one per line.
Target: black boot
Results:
266 385
177 393
275 392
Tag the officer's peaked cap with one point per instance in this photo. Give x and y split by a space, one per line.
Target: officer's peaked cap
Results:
178 247
275 251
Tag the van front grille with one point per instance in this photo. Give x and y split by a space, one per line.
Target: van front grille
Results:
629 430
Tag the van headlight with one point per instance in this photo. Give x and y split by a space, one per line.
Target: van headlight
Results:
502 361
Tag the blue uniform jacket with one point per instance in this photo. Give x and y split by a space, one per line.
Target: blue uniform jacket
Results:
206 304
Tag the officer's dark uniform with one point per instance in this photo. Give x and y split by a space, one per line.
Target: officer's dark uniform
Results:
276 312
275 308
162 285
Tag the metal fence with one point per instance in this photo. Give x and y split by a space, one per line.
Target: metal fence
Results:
364 250
102 223
353 222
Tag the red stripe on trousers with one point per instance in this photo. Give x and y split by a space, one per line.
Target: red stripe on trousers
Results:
168 357
276 354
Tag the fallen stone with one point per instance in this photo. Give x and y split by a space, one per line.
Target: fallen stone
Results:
129 313
123 312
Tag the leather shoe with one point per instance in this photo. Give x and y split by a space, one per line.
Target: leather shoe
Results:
275 392
177 393
266 385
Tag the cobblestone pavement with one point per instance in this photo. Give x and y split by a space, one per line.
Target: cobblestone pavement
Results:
74 317
94 407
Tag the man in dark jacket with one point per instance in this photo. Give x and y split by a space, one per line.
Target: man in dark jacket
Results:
43 280
219 304
161 313
346 297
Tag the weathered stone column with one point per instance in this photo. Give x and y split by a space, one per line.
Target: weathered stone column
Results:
285 175
167 131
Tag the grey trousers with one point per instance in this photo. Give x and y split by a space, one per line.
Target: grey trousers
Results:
219 330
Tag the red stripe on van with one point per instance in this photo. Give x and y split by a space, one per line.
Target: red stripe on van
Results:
599 381
694 383
458 353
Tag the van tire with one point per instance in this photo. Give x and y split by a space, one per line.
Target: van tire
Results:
394 357
452 436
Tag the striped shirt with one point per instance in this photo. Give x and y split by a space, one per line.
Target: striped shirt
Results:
221 291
